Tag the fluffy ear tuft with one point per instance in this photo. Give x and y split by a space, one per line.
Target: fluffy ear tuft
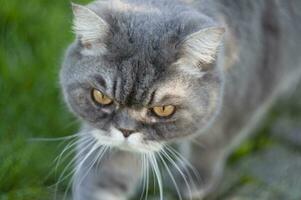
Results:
88 26
201 47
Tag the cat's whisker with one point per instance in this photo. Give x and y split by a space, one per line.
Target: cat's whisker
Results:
69 184
178 169
98 163
185 163
187 167
72 144
99 156
151 170
171 176
147 176
156 169
88 143
72 123
67 189
101 153
66 148
63 139
154 176
79 136
53 139
143 175
63 176
199 144
82 162
54 169
75 171
60 159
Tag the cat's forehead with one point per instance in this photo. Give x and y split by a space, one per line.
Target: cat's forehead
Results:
138 66
135 79
151 36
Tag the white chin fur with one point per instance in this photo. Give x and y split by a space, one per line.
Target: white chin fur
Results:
134 142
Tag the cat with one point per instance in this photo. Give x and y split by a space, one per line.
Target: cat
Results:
145 75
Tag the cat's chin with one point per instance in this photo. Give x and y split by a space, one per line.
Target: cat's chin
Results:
132 143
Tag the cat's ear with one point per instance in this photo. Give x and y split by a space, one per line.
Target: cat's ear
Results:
88 26
200 48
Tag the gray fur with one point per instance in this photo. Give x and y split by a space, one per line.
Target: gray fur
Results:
218 103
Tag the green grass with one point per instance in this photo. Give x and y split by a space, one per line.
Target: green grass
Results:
33 36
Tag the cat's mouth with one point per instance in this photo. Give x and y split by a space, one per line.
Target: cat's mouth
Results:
133 143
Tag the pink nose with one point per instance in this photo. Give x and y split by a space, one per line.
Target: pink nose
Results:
126 132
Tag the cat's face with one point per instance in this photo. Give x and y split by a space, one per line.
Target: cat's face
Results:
137 90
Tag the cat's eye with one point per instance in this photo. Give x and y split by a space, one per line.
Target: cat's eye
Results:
164 111
101 98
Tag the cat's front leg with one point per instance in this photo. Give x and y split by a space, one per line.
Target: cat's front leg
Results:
114 177
206 164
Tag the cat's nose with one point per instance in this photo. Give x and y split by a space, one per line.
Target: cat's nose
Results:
126 132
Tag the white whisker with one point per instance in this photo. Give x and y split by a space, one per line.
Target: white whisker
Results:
75 171
53 139
62 178
178 169
80 165
55 164
73 143
74 160
147 176
98 163
184 163
171 176
143 175
202 146
155 166
99 156
102 151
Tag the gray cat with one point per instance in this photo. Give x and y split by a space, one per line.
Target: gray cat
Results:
145 74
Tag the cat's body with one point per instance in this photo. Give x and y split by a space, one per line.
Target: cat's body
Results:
263 62
259 60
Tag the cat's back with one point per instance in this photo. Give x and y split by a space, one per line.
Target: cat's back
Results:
262 58
262 46
267 21
264 37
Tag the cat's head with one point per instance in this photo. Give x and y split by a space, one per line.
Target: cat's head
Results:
139 76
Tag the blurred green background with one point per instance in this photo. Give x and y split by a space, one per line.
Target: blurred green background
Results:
33 36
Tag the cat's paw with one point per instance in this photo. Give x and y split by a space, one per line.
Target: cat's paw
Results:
189 189
195 195
198 184
203 190
106 195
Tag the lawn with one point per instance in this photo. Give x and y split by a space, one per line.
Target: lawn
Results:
33 36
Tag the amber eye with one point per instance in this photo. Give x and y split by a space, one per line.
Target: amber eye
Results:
164 111
100 98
